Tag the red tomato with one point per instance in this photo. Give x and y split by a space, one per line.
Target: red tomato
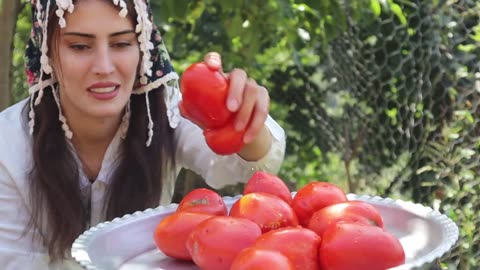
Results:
204 95
298 244
203 200
171 233
215 242
347 246
268 211
225 140
268 183
352 211
254 258
314 196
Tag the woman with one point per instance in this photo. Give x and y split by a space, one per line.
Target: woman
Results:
101 135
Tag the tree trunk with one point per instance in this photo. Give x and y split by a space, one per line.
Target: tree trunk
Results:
8 19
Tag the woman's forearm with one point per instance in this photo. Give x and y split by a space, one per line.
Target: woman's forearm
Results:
259 147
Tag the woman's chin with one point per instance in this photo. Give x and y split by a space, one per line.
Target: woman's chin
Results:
108 114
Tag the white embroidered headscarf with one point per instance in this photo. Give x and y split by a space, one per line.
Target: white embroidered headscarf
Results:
155 68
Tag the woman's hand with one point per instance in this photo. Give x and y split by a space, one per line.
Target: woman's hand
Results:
246 98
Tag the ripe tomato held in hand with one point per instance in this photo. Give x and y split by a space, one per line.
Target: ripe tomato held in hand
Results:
204 102
204 96
216 242
268 183
203 200
254 258
298 244
347 246
267 210
225 140
314 196
171 233
351 211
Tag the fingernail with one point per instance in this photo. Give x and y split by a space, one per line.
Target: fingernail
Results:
232 104
213 63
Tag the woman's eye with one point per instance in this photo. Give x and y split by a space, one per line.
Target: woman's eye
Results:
121 44
79 47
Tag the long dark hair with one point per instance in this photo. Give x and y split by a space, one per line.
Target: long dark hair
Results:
136 184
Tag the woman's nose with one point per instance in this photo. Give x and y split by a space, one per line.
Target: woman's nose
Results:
103 62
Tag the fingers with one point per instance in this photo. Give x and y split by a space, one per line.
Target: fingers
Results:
258 114
245 97
249 99
237 80
213 61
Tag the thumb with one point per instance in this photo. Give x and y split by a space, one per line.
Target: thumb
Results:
214 61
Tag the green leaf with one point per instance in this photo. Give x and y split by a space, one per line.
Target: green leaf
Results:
397 10
467 48
376 7
392 114
476 33
317 5
467 153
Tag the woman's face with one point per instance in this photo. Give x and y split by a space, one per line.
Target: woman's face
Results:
96 60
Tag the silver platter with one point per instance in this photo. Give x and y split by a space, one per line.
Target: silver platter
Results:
127 243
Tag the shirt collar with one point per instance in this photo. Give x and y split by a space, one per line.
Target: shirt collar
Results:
108 163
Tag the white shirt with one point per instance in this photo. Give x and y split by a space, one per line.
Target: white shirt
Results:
20 252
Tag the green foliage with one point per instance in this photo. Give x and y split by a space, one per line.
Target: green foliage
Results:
22 33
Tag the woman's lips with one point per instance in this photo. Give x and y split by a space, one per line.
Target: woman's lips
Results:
103 89
104 93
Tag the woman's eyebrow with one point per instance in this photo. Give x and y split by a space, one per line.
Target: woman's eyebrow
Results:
93 36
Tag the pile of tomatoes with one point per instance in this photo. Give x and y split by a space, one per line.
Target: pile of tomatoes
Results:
317 229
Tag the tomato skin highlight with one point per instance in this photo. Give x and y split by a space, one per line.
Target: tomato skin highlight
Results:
204 96
268 211
254 258
268 183
314 196
298 244
215 242
203 200
351 211
171 234
347 246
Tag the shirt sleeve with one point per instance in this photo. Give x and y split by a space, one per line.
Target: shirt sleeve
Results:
218 171
16 249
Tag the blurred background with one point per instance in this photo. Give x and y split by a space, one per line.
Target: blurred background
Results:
380 97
